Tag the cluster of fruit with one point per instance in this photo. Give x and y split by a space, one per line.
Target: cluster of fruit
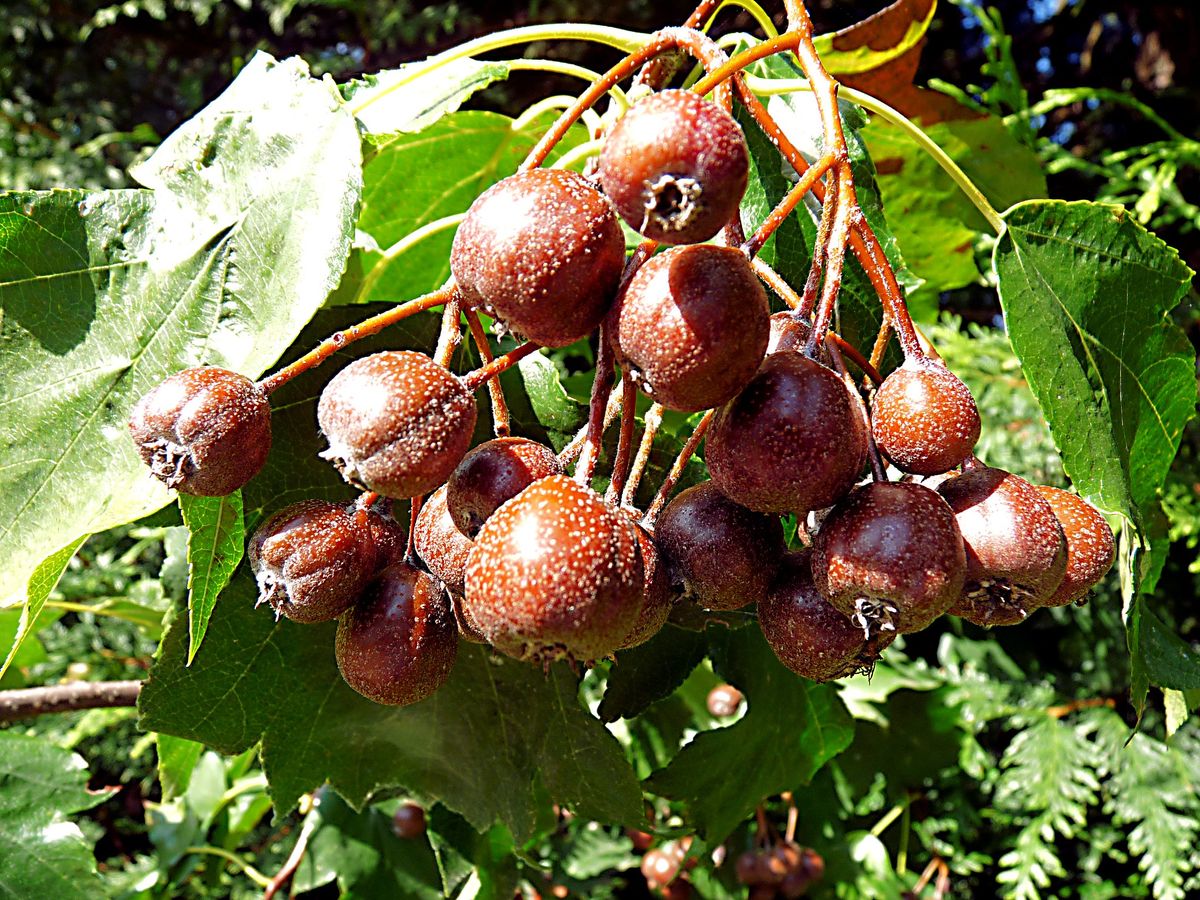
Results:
510 550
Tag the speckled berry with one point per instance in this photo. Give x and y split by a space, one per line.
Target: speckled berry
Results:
692 326
1090 547
720 554
492 473
397 423
791 441
389 536
808 635
676 167
890 556
312 559
658 597
1016 551
555 573
204 431
924 418
543 251
397 645
439 544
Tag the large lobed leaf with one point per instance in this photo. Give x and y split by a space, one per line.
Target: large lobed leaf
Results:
246 230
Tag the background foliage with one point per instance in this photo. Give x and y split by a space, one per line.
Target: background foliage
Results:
1007 756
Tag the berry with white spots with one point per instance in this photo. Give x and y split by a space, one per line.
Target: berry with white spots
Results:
1090 548
924 418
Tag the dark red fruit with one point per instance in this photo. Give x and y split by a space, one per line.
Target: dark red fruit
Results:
441 546
493 472
659 868
924 418
408 821
890 556
397 423
397 645
543 251
747 868
555 572
658 597
808 635
723 701
389 536
792 441
809 870
679 889
676 167
1016 551
1090 549
204 431
692 326
721 554
312 559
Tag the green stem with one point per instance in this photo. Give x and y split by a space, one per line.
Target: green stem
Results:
565 68
756 12
244 867
889 817
96 610
767 87
576 154
620 38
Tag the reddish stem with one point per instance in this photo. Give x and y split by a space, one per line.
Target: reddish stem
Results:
652 422
501 363
856 357
450 336
785 206
677 467
500 418
414 510
601 385
775 282
569 453
878 470
346 336
625 441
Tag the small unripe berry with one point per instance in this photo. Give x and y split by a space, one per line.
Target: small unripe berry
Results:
397 423
397 645
924 418
543 251
204 431
1090 548
691 328
492 473
312 559
676 167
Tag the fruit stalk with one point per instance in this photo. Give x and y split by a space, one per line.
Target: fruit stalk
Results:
501 363
784 208
620 468
590 454
677 467
652 421
500 419
450 336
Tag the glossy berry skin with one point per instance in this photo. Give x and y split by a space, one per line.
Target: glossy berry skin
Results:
408 821
924 418
1090 547
659 868
676 167
692 326
397 645
791 441
806 633
312 559
441 546
890 556
543 251
555 573
397 423
493 472
388 535
1016 551
720 554
658 597
787 333
723 701
204 431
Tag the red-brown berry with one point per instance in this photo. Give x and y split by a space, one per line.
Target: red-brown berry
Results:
890 556
408 821
397 645
543 251
691 328
723 701
555 573
397 423
492 473
924 418
719 553
312 559
440 545
658 597
1016 551
1090 548
792 441
676 167
204 431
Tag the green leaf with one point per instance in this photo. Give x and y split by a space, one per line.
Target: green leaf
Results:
1085 292
245 232
216 539
642 675
1170 662
360 852
414 96
554 409
45 576
475 744
791 728
177 758
42 852
414 179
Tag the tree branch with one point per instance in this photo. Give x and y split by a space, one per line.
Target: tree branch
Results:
28 702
